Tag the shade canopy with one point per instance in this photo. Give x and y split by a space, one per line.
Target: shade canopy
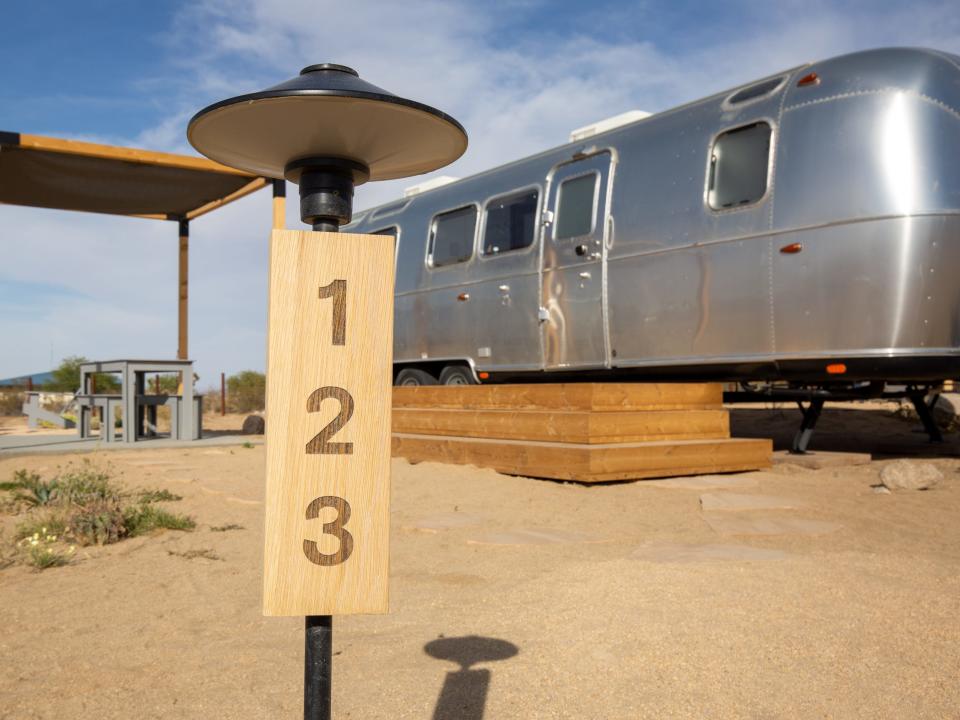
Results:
68 175
328 112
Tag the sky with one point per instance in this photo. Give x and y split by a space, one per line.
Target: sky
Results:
518 74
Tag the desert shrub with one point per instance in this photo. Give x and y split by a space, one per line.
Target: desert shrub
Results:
66 378
84 505
246 391
11 403
100 522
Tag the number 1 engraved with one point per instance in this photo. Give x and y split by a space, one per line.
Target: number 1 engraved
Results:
334 527
338 291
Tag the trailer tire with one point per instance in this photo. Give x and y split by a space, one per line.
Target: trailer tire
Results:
457 375
414 377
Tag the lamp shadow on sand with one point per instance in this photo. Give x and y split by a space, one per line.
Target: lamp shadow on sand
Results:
464 692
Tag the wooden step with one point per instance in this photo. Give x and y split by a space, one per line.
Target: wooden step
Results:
567 427
589 463
593 397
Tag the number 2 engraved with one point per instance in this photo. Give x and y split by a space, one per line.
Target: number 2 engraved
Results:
320 444
338 291
334 527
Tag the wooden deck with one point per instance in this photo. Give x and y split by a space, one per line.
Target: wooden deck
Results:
588 432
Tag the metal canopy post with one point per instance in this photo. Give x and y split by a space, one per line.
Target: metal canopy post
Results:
184 290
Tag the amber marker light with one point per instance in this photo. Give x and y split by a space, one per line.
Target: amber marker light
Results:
808 80
792 248
836 369
484 375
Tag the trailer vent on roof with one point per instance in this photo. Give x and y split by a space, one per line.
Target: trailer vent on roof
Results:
581 133
756 91
390 209
430 184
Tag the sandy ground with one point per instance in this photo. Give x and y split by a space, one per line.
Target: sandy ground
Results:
618 601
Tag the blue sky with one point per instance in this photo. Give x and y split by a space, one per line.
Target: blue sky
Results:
518 74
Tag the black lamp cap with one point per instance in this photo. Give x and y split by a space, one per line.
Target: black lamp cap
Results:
329 66
332 80
327 111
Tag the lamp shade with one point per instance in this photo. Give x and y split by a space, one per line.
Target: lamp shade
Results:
327 112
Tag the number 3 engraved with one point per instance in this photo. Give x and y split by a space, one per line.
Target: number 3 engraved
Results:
335 528
320 444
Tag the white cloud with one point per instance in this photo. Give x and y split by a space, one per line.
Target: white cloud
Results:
514 96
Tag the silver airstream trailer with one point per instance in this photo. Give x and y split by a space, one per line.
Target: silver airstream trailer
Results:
802 228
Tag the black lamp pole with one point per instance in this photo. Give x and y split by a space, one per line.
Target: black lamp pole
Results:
326 203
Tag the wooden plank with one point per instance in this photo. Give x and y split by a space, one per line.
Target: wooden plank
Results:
326 548
137 155
575 426
595 397
589 463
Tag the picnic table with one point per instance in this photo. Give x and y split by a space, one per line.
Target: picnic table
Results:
139 409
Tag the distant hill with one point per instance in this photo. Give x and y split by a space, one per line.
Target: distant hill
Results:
38 379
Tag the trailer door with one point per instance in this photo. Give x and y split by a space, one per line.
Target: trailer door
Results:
572 297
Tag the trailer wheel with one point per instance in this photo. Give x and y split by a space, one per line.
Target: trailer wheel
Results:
413 377
456 375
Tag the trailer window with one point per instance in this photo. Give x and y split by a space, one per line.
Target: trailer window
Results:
510 222
576 206
738 166
451 236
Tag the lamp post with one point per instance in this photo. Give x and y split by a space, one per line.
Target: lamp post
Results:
327 130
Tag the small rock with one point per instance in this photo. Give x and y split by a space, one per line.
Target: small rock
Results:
253 425
908 475
946 409
880 489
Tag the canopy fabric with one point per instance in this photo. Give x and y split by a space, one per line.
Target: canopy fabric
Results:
69 175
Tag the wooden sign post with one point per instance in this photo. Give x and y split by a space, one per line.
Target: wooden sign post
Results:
329 377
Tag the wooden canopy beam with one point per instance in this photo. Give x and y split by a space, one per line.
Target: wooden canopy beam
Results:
110 152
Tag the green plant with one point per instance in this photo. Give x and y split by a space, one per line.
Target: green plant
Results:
152 496
42 551
86 484
11 402
50 522
246 391
31 490
205 553
144 518
84 504
248 445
